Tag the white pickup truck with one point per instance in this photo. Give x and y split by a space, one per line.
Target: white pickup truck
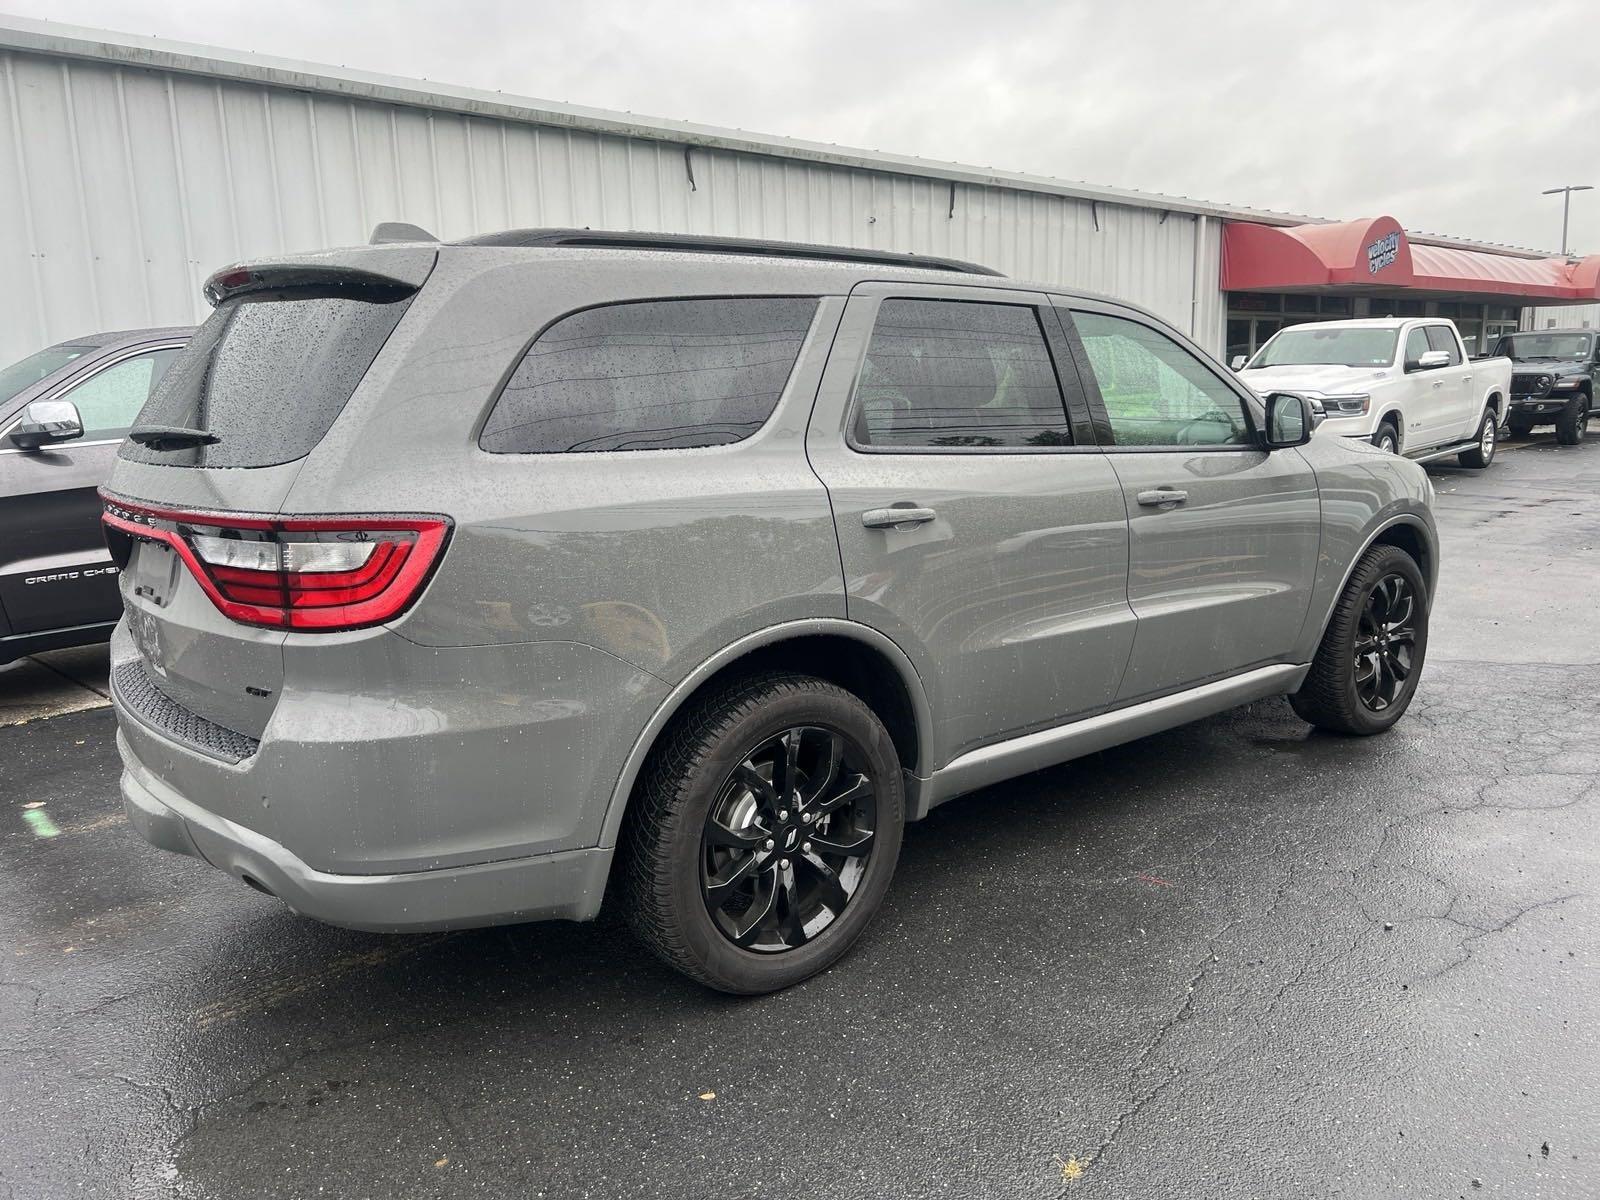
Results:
1404 384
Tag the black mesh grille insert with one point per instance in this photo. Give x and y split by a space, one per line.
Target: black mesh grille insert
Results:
139 694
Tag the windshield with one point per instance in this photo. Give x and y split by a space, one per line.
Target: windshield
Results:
19 376
1525 347
1325 347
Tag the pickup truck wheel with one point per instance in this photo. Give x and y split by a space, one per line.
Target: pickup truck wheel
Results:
1573 422
765 831
1482 454
1387 438
1366 669
1520 429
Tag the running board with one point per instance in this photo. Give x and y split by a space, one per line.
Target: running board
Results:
1458 448
1035 751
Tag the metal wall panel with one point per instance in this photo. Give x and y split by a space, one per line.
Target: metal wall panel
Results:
1568 316
122 188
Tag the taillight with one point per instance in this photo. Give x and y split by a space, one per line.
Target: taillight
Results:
313 573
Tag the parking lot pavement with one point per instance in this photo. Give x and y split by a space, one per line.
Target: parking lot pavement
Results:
56 682
1237 959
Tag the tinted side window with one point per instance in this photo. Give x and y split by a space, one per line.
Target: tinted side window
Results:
1440 338
957 373
109 400
1156 393
1416 344
653 376
268 374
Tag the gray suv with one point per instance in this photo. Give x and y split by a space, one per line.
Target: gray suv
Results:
471 583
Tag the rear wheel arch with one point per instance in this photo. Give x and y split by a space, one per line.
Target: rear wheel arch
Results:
853 656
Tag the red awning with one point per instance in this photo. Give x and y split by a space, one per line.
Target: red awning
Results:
1376 254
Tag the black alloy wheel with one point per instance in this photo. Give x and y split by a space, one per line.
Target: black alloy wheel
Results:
1366 670
763 832
788 839
1386 637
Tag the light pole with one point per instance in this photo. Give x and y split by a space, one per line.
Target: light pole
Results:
1566 203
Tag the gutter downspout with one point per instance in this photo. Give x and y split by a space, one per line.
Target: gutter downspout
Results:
1194 278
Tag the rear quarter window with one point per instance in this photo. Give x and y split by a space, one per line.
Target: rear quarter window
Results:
656 375
268 374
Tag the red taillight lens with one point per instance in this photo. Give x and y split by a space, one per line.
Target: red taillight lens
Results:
313 573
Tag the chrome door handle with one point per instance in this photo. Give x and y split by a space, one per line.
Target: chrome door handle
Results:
1162 496
893 518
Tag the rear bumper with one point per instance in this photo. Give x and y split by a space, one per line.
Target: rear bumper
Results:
562 886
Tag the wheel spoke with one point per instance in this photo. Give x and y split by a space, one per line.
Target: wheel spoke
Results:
784 775
790 923
721 889
756 915
1406 603
830 767
851 845
718 834
856 792
830 890
763 791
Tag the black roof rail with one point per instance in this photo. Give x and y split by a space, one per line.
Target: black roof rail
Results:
692 243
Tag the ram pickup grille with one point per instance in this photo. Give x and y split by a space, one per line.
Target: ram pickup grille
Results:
132 685
1526 385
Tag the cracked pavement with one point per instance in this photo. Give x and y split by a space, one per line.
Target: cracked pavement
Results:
1233 960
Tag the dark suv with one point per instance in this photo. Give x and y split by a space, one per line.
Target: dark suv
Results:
1553 380
466 580
63 413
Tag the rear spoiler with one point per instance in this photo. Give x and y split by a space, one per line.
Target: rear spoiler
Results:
381 273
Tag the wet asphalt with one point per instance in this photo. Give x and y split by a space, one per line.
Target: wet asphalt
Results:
1234 960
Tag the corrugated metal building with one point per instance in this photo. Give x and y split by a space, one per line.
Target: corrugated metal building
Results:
130 168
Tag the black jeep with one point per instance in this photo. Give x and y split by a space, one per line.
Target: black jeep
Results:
1553 380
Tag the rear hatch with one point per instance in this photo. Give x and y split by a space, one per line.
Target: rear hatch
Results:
212 580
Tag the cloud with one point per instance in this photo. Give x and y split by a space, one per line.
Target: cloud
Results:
1451 115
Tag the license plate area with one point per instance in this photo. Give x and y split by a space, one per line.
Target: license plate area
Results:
153 572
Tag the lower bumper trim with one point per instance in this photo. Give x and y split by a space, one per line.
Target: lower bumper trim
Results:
564 886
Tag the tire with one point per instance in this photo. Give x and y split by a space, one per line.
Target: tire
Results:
1520 429
1333 696
675 860
1573 422
1482 454
1387 438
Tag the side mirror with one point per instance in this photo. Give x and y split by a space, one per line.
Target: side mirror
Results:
1237 362
1291 420
46 422
1430 360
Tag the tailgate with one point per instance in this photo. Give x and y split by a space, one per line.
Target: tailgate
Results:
217 668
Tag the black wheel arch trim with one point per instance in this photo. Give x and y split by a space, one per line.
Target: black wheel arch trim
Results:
1429 568
872 638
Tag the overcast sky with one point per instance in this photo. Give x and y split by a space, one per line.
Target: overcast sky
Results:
1450 116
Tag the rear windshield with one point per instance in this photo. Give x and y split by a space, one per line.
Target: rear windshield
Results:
267 374
1355 347
20 376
